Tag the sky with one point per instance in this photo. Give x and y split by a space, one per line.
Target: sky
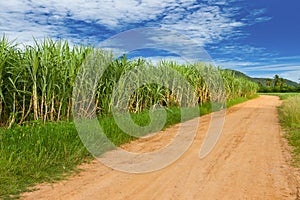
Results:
258 37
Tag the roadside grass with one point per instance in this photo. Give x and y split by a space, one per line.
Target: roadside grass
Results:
289 114
282 96
39 152
240 100
36 153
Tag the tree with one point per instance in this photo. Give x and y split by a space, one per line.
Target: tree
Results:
268 82
282 82
276 81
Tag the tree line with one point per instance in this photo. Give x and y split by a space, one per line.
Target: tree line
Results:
277 84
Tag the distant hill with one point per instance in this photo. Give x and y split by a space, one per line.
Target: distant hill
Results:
261 80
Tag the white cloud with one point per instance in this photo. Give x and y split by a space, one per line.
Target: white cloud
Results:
201 24
208 24
204 22
262 19
234 64
157 38
255 16
293 75
288 58
283 67
258 12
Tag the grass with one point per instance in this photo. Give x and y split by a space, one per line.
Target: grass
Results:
282 96
36 86
38 152
289 114
240 100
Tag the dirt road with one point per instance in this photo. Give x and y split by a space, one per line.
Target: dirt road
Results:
250 161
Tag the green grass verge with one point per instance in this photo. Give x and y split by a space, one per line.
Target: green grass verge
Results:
289 114
240 100
282 96
37 152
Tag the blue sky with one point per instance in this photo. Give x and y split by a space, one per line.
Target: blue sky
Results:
258 37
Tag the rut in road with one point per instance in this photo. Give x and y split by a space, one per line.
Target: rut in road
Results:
250 161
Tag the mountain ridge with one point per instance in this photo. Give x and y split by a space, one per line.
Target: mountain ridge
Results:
261 80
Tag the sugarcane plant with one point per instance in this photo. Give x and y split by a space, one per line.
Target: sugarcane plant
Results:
37 82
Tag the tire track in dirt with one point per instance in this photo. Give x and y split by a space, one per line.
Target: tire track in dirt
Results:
250 161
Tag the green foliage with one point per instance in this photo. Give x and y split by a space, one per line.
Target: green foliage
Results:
36 82
238 86
36 87
278 85
36 153
290 119
291 112
240 100
282 96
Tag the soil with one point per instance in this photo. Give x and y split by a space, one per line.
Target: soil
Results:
251 160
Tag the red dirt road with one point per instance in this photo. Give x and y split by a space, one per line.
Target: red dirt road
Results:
250 161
